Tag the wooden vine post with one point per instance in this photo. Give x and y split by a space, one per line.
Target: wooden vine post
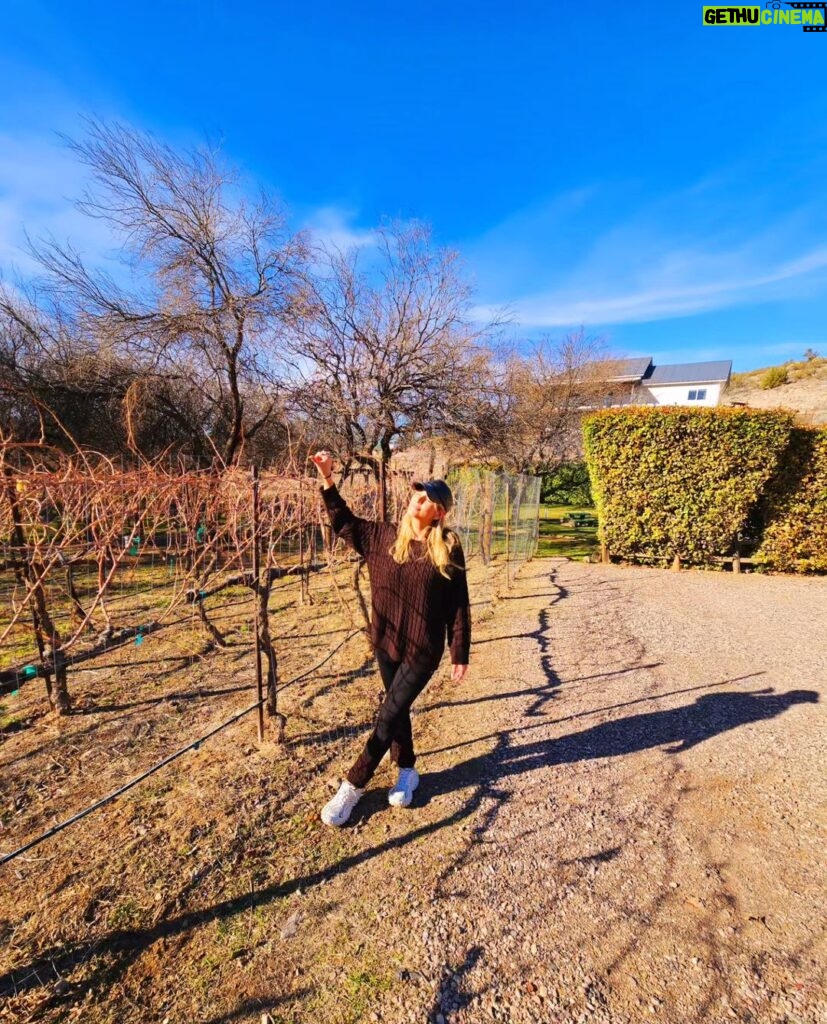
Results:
507 533
487 516
257 605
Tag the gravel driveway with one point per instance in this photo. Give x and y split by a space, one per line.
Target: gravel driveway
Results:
621 815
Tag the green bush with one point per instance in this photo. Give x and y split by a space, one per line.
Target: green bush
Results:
674 481
795 506
773 378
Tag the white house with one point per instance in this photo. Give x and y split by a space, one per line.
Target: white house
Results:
640 382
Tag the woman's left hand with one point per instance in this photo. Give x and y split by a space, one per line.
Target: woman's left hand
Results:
458 673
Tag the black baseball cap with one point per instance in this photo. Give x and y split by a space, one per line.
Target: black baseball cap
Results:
437 490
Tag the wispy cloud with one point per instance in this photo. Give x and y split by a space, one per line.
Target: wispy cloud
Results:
39 184
332 227
691 252
665 301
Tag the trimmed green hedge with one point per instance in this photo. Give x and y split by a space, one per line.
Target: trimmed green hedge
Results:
795 537
670 481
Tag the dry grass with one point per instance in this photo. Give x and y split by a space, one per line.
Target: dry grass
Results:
805 394
159 899
805 369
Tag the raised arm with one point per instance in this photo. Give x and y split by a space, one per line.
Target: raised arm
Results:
355 532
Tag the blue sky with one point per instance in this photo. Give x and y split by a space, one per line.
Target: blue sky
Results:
619 166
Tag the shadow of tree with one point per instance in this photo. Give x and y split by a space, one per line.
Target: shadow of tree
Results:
678 729
257 1008
533 690
450 998
200 693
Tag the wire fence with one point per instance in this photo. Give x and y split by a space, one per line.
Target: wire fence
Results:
88 566
497 515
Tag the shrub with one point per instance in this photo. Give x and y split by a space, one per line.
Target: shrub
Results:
813 367
773 378
673 481
795 538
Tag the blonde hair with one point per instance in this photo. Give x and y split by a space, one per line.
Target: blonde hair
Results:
439 544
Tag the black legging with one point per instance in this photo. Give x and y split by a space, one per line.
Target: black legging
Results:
403 684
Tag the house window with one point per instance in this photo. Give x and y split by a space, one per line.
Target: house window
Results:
697 394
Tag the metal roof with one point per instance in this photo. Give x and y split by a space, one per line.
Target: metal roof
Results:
690 373
619 369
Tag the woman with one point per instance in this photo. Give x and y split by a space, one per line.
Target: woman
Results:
419 594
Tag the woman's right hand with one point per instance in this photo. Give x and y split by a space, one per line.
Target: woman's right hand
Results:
323 461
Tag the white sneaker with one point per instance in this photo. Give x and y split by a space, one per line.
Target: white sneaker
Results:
337 810
402 793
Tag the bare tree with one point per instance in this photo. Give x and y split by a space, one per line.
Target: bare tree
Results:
51 378
218 275
67 389
387 352
529 419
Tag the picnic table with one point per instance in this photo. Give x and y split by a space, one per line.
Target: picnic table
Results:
582 519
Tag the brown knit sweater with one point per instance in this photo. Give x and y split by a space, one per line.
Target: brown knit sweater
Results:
413 607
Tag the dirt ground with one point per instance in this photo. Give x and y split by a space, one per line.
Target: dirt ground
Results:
806 397
621 818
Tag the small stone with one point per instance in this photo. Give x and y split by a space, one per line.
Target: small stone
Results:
291 925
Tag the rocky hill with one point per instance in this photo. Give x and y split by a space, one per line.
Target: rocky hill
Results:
798 386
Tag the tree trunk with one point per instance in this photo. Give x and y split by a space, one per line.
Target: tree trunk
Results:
46 635
269 652
357 586
383 491
50 643
385 454
233 445
77 607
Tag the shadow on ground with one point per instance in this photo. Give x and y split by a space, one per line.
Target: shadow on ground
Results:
676 729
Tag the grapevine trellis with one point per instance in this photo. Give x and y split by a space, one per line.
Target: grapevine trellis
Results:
96 556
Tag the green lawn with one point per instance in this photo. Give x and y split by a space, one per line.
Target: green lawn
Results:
558 538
